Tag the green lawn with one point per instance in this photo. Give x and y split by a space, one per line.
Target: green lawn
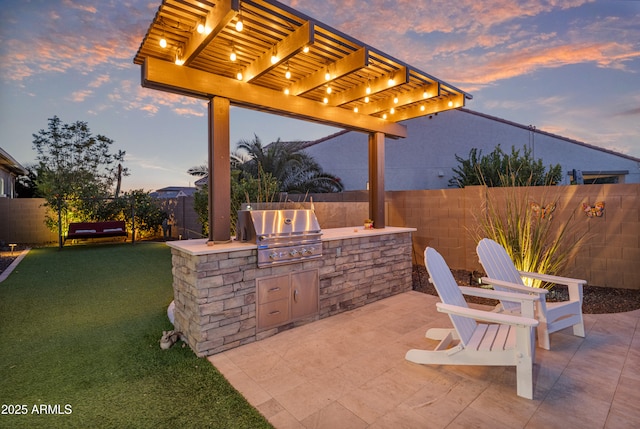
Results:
79 339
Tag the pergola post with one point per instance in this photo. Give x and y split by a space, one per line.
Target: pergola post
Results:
376 179
219 171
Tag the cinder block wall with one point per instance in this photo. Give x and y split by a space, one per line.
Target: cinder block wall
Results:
22 221
447 218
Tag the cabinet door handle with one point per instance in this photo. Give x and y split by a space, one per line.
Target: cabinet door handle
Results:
274 312
273 289
295 295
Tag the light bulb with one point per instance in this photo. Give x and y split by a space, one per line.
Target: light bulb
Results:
328 90
368 90
425 95
233 55
163 43
450 103
200 28
391 81
239 75
287 74
395 100
286 91
239 25
274 59
305 49
384 116
422 108
355 109
327 76
179 62
392 111
366 99
326 100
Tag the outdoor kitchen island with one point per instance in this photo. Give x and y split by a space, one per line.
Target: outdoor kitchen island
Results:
223 300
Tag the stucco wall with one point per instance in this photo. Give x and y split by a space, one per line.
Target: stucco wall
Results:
425 159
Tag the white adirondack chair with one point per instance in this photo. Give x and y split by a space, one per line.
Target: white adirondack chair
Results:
553 316
506 341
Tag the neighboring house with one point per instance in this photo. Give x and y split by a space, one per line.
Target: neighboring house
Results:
425 159
174 192
10 169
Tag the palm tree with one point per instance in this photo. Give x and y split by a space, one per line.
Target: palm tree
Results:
295 170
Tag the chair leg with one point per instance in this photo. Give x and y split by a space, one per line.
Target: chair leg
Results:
543 336
578 328
524 377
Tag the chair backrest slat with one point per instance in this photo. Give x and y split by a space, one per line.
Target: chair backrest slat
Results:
449 292
498 265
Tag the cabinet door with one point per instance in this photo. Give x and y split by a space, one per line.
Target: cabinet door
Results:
305 288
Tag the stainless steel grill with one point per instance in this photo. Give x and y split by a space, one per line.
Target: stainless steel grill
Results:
282 236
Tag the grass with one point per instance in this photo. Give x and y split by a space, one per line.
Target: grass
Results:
80 332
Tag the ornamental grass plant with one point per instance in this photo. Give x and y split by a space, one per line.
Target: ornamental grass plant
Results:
80 333
534 236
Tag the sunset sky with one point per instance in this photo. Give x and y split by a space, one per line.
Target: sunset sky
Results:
569 67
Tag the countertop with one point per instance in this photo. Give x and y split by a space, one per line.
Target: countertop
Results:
200 247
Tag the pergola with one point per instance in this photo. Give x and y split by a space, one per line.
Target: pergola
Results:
263 55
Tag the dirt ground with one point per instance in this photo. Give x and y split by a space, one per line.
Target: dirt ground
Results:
596 299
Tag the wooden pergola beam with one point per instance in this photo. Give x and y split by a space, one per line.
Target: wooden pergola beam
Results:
420 94
446 103
215 21
282 51
399 77
352 62
165 76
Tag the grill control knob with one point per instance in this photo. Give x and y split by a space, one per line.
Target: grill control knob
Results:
311 249
294 252
273 255
304 251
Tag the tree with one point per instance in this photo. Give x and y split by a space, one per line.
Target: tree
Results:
76 171
294 169
491 169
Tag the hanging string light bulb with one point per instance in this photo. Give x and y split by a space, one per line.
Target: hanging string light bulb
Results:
287 73
233 55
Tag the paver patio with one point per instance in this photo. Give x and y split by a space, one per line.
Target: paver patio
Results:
349 371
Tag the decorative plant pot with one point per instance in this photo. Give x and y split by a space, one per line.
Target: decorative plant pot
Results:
368 225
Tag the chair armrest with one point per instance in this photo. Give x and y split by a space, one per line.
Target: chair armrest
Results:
496 294
553 279
486 316
574 285
514 286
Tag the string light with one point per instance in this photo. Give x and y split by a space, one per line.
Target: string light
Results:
450 103
163 42
327 75
422 108
274 56
286 91
287 74
355 109
384 116
239 75
239 24
395 100
325 100
328 90
366 99
233 56
392 111
305 49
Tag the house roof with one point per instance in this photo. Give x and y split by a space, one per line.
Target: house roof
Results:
307 144
8 163
334 79
174 192
557 136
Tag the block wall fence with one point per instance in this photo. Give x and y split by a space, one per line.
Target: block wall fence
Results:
445 219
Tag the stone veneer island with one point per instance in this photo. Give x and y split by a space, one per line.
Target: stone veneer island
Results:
223 300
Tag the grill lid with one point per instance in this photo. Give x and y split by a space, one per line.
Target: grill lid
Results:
278 223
